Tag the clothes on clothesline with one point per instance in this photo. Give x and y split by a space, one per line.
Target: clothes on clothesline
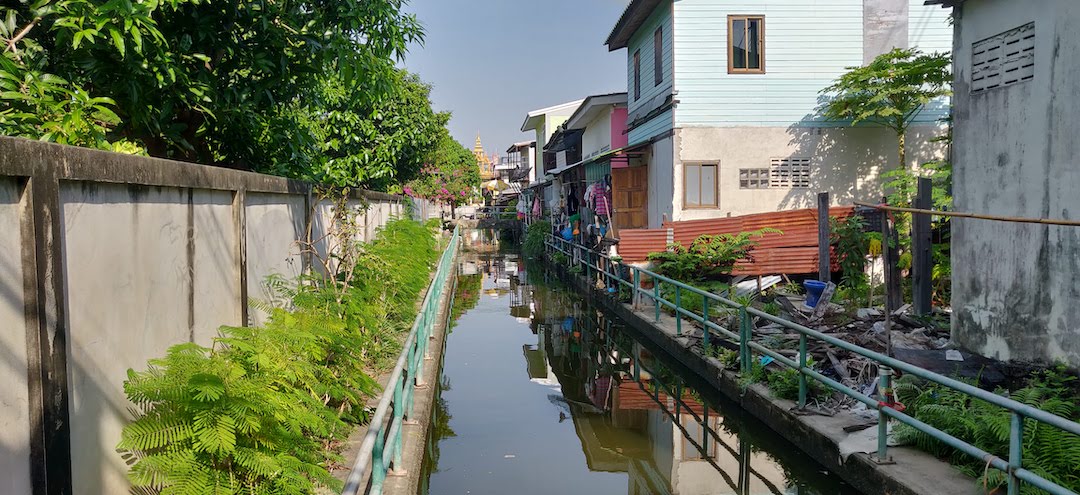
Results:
596 197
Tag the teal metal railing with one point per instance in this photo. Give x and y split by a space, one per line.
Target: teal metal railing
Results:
615 276
381 448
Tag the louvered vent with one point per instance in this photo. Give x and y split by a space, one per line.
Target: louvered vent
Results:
1005 59
789 172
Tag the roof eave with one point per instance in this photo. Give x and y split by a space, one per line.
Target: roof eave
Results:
530 123
629 22
586 112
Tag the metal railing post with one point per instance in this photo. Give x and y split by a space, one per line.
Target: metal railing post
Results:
588 267
744 340
802 375
705 323
637 285
398 441
678 312
656 297
1016 452
884 399
378 470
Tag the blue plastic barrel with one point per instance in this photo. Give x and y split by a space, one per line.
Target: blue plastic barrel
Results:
813 292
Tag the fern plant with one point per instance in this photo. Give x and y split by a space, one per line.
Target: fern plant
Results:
1047 451
206 424
261 410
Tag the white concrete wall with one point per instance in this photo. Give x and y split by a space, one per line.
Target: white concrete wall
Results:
126 262
14 399
216 265
846 162
1016 153
274 224
137 268
597 136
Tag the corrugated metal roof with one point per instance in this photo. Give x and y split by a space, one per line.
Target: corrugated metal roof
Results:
635 245
793 251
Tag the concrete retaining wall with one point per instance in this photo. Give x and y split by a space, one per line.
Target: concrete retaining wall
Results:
106 261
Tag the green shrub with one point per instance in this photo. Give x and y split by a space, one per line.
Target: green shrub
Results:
535 237
784 383
729 359
258 411
852 246
1047 451
694 302
708 257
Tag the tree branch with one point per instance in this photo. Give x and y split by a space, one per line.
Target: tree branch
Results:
18 37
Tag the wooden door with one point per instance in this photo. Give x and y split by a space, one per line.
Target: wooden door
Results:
629 191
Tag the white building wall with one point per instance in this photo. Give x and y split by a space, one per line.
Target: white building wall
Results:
846 162
1016 154
597 136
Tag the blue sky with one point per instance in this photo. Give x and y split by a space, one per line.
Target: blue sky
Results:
491 61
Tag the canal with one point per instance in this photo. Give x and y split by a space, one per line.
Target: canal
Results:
541 393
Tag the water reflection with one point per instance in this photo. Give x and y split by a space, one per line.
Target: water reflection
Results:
641 427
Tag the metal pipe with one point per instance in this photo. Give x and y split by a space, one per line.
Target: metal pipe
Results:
884 397
705 323
977 216
678 317
803 388
1016 452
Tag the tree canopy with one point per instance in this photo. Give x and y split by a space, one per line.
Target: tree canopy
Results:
450 174
889 91
304 89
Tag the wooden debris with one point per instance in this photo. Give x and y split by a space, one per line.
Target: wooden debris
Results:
839 366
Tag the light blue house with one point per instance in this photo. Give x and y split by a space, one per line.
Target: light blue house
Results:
723 98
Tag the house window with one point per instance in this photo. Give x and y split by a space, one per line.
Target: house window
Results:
637 75
699 185
789 172
658 56
753 178
1002 60
746 44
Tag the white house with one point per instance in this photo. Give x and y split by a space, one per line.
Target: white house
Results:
723 98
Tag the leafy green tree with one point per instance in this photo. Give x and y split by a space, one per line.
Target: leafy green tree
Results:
375 144
890 91
451 175
214 81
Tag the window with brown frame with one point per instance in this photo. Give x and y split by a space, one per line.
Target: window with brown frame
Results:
637 75
746 44
699 185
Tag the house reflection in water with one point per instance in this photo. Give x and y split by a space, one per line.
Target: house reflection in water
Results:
651 427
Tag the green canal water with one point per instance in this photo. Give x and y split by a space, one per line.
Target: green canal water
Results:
542 393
